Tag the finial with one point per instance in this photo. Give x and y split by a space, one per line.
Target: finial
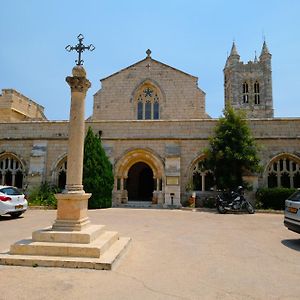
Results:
233 50
79 48
255 58
263 36
264 49
148 52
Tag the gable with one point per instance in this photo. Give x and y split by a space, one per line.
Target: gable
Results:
149 61
176 94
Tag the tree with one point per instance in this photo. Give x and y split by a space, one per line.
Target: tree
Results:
98 177
232 150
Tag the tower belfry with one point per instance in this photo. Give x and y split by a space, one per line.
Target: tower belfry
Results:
248 86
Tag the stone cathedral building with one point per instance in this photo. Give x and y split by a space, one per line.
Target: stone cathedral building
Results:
152 121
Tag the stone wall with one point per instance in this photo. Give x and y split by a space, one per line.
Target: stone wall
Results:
16 107
41 145
181 97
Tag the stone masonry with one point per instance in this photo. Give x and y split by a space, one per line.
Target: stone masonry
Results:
170 146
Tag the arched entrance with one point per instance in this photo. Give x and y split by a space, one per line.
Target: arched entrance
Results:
139 177
140 182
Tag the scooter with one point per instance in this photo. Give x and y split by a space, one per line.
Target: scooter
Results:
233 201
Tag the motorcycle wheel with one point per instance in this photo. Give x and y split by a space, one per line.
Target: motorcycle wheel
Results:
221 209
250 208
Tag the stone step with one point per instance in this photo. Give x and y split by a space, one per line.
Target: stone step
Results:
84 236
109 258
106 261
138 204
93 249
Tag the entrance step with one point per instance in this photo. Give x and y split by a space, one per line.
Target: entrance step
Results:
92 248
138 204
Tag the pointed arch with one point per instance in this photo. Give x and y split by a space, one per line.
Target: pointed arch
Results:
12 170
136 170
256 92
245 92
59 171
199 177
147 97
283 170
132 156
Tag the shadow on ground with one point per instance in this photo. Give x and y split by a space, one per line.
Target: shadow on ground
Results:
8 218
292 244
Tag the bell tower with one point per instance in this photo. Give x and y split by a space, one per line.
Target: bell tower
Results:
248 86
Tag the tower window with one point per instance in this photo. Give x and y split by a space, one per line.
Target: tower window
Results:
256 93
245 92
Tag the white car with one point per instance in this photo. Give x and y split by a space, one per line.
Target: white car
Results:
292 212
12 201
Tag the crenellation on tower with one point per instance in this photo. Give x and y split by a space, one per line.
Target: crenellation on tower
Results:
248 86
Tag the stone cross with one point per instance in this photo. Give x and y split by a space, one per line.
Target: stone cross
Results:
79 48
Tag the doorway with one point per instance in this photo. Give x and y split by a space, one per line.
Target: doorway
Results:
140 182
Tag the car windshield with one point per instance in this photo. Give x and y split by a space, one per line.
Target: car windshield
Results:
10 191
295 196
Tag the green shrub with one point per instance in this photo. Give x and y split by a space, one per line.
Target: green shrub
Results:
98 177
43 195
273 198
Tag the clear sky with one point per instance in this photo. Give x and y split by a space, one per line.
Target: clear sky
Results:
190 35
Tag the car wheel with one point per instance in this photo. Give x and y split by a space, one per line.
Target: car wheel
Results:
16 214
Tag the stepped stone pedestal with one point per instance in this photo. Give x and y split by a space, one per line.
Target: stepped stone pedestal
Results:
72 241
92 247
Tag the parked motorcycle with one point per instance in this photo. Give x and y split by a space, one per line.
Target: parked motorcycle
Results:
233 201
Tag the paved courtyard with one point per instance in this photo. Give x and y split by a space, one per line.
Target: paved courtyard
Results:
174 254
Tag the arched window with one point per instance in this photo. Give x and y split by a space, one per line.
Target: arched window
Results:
11 171
203 179
147 102
256 93
156 110
140 110
245 92
148 110
284 171
61 174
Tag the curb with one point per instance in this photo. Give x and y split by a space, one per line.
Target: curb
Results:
35 207
260 211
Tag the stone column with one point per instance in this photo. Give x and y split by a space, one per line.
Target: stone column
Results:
72 203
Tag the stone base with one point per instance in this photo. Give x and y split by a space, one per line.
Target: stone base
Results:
92 248
71 211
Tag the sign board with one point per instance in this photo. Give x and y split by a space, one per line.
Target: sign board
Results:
172 180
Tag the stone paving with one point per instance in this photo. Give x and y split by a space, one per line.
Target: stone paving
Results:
174 254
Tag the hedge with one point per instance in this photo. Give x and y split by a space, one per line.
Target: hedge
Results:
273 198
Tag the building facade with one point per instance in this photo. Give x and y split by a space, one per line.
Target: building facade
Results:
153 125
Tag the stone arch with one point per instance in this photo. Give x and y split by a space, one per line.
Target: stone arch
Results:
12 170
199 178
131 159
150 82
59 171
133 156
283 170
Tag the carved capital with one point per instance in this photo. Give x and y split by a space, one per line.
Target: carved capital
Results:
78 84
